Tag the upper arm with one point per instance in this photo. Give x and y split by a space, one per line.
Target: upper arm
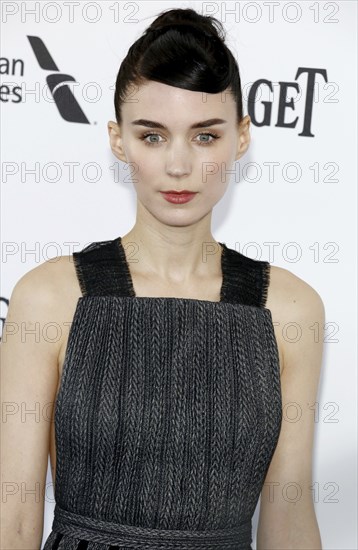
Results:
286 499
29 377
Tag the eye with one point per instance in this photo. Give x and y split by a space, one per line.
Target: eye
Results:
143 138
201 142
206 142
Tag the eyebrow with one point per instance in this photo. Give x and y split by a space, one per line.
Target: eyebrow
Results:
201 124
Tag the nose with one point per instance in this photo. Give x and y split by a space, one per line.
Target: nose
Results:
177 162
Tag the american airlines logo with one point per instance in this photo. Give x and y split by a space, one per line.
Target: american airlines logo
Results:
64 99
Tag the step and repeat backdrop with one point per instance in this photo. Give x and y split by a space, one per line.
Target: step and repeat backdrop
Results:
291 199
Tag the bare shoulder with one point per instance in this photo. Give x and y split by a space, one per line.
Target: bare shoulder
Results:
297 309
289 295
53 283
47 293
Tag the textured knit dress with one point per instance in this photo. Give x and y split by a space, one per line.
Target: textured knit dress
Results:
168 412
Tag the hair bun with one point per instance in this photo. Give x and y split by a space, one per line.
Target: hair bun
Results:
186 19
186 27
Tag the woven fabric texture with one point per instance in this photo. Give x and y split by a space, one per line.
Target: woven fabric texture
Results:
168 412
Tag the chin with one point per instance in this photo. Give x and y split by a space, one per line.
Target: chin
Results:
180 219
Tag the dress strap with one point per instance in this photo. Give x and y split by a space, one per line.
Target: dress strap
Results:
246 280
102 270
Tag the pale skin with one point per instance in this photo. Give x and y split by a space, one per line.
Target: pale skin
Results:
166 243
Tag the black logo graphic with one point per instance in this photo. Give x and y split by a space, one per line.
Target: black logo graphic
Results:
284 104
65 101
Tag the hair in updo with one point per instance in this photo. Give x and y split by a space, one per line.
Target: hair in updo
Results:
184 49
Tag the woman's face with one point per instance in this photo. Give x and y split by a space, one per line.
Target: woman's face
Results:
178 156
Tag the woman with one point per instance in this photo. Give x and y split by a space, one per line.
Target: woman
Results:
171 384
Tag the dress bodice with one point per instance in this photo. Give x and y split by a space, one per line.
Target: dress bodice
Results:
168 411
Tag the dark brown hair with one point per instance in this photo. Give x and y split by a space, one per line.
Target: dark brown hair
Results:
184 49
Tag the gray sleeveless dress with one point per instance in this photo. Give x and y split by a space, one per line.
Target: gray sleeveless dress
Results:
168 412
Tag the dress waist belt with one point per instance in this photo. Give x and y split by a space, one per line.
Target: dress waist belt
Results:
146 538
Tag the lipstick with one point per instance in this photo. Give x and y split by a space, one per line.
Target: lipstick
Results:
176 197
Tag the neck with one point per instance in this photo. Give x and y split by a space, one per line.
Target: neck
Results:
173 254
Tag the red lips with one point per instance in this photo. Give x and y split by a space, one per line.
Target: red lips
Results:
178 197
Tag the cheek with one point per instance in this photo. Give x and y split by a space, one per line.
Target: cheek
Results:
145 166
217 171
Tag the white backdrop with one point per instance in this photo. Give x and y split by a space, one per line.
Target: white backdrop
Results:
292 199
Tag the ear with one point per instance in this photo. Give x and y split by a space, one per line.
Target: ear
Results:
244 138
115 139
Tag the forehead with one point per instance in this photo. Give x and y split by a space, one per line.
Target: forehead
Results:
176 106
